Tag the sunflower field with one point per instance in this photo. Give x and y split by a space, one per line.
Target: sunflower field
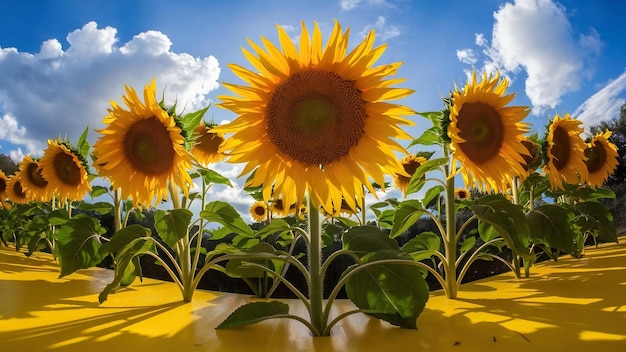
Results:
318 128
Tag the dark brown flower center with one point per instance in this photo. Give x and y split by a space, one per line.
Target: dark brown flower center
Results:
18 190
596 157
3 185
148 147
34 175
561 147
208 142
259 210
481 127
67 170
315 117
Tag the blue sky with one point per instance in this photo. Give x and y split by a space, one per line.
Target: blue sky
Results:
61 62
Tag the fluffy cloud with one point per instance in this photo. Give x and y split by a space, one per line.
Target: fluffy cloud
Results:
347 5
604 105
535 36
383 30
58 92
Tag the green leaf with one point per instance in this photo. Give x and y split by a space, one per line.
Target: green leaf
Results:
254 312
422 246
237 267
191 120
279 226
124 237
593 194
367 239
396 292
124 259
172 225
429 137
406 215
58 217
100 207
214 177
596 217
468 244
97 191
487 232
552 225
83 144
432 193
507 218
78 242
418 178
224 214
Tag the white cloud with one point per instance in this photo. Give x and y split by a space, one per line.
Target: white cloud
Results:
382 29
467 56
603 105
58 93
348 5
536 36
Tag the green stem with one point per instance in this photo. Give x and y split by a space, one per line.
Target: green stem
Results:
316 286
450 241
183 250
516 258
117 208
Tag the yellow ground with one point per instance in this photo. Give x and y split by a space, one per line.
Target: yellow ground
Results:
569 305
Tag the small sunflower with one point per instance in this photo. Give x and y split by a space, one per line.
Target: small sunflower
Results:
532 160
486 134
65 171
345 209
207 147
3 187
278 208
142 149
259 211
14 190
565 152
601 160
33 182
462 194
316 120
410 163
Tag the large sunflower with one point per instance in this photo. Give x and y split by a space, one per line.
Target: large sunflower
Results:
410 163
142 149
601 159
316 119
65 171
33 183
14 190
565 152
207 147
486 134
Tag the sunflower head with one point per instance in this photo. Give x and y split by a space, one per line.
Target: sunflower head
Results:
564 152
279 208
3 184
410 164
316 119
462 194
142 149
602 159
33 183
15 191
65 170
486 134
207 146
259 211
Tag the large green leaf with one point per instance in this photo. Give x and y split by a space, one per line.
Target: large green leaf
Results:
367 239
429 137
507 218
191 120
214 177
596 217
224 214
100 207
418 178
172 225
237 267
124 237
125 257
552 225
397 293
78 243
254 312
422 246
406 215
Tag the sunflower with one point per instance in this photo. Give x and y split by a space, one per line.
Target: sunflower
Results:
207 145
410 163
462 194
485 134
532 160
3 187
316 119
33 183
65 171
259 211
142 149
601 160
565 152
14 190
345 209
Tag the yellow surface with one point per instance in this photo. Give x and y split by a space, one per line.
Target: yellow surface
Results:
569 305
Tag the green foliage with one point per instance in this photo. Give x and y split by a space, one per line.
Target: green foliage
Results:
78 243
224 214
254 312
172 225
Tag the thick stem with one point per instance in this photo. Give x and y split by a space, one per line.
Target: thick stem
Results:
450 241
117 205
316 287
183 251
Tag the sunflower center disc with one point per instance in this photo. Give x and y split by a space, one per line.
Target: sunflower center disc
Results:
315 117
481 127
259 211
17 189
596 158
35 176
66 169
148 147
560 148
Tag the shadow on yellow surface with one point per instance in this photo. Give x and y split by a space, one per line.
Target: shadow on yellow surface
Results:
569 305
